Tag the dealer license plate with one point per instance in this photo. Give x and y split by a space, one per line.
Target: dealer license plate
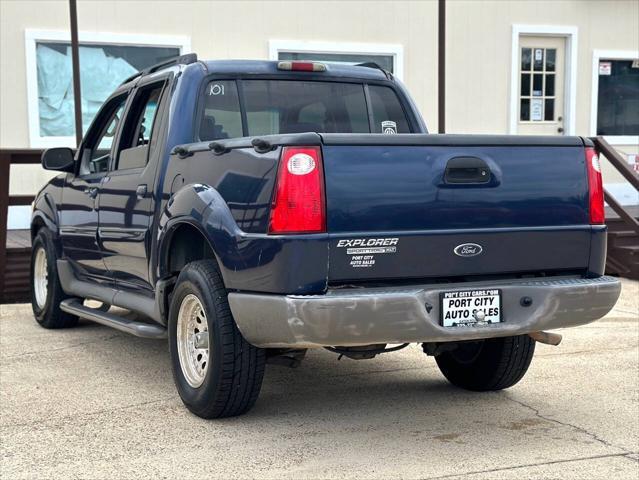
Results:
470 308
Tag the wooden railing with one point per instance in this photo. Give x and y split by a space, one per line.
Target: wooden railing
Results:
10 157
620 164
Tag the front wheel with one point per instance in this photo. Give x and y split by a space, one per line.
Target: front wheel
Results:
491 364
216 371
46 291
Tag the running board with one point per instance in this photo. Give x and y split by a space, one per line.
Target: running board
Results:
154 308
139 329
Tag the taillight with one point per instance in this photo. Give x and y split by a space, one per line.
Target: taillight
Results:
298 203
595 187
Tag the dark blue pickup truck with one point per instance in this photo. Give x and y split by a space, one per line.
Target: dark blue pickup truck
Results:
251 210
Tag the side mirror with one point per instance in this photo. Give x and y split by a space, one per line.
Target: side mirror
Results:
59 159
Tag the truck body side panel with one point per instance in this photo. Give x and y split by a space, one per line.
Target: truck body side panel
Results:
242 177
248 261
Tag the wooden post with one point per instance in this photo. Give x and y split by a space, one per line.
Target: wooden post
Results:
75 60
441 67
5 169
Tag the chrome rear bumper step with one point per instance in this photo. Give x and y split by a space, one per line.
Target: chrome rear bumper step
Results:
139 329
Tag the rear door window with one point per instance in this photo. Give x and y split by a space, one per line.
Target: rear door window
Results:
137 137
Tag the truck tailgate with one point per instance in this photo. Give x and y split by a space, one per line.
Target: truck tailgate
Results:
419 206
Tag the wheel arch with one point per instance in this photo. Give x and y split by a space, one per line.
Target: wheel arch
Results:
45 214
198 213
185 241
37 222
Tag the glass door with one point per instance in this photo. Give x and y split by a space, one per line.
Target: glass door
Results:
541 86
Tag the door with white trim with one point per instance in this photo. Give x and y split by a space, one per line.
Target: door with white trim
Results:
541 85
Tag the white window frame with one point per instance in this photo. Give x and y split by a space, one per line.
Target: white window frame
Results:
570 33
275 47
31 37
597 55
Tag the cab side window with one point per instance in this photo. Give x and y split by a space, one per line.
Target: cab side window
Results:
221 117
96 153
388 114
138 134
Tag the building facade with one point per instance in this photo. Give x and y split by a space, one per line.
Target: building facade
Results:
512 67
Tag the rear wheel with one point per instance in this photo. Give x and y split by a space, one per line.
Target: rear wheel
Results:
491 364
46 291
216 371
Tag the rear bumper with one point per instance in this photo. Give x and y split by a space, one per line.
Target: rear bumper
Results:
363 316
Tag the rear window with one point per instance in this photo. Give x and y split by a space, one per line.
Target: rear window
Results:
285 106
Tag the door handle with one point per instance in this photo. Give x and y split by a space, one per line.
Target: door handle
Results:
140 191
91 191
467 171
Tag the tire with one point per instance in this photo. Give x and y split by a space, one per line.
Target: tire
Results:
492 364
47 293
225 379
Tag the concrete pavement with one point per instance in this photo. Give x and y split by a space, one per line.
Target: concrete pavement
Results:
91 402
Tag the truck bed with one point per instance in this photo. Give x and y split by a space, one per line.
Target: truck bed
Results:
392 216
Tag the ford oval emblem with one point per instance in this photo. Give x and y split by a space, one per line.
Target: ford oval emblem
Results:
468 250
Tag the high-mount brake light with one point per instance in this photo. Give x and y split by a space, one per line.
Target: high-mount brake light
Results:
298 203
302 66
595 188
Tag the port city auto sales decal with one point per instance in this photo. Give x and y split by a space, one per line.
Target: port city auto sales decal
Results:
364 250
